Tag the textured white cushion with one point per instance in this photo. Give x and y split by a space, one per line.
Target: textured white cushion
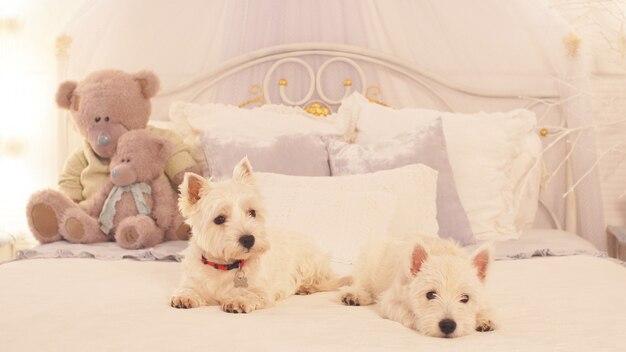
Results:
343 211
337 221
492 156
289 154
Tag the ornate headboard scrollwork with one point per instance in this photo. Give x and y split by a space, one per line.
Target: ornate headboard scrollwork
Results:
320 107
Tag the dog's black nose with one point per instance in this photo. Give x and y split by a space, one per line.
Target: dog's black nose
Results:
447 326
247 241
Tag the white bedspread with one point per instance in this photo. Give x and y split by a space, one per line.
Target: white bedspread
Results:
560 303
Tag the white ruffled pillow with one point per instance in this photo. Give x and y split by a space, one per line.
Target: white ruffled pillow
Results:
342 212
494 157
192 120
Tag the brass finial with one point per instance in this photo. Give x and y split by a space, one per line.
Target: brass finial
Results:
63 44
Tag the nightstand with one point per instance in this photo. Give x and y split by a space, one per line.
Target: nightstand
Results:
616 242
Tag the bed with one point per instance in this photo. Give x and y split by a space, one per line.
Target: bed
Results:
552 289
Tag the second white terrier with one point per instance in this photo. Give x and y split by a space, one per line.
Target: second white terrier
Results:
426 283
232 259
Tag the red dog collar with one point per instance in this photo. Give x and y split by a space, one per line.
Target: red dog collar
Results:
237 264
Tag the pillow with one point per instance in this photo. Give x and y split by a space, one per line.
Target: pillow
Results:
414 186
336 220
192 120
494 158
297 154
264 121
425 145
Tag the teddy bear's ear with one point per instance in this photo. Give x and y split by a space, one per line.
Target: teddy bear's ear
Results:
65 95
166 148
149 83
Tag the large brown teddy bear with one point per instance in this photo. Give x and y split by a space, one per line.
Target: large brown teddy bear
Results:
136 206
104 106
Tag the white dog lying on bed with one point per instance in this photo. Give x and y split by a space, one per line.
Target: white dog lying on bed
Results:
425 283
233 260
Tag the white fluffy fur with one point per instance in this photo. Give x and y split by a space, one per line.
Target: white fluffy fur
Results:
279 264
398 273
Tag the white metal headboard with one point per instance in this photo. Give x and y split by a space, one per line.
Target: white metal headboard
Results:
351 55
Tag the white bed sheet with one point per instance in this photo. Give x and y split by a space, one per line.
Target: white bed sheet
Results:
553 303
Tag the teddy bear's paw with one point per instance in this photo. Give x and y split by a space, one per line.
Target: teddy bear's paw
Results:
44 212
138 232
178 230
44 220
128 236
183 232
78 227
74 229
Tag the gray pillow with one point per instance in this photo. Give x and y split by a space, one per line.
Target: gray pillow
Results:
425 145
295 155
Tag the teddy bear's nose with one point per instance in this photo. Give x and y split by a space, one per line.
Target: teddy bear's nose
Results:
103 140
115 173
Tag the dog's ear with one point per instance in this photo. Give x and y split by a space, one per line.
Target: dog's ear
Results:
243 171
417 258
191 190
481 259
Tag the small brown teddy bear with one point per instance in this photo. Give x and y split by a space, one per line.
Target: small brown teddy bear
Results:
136 206
104 106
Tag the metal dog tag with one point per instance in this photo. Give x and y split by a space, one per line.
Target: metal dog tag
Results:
240 279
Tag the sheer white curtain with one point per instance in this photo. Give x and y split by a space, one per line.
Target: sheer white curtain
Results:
28 121
492 45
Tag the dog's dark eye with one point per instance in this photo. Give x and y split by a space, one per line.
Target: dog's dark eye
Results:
97 118
252 213
106 119
464 299
219 220
430 295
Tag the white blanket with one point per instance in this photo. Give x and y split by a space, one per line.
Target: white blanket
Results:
560 303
